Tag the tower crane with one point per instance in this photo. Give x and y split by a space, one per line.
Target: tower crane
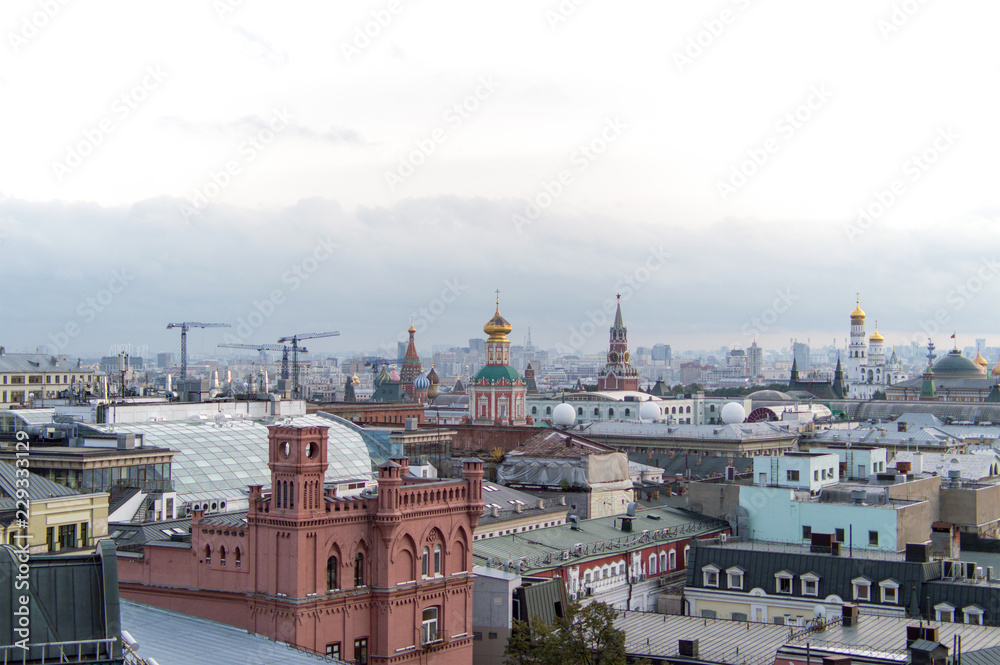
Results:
294 339
184 339
260 348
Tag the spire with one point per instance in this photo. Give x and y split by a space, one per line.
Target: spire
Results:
795 371
619 324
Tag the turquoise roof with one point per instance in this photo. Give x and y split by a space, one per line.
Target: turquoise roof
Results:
496 373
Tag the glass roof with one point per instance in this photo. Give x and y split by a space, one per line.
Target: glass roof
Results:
221 458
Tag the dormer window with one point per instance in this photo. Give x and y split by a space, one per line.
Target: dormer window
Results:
783 581
890 591
862 588
734 577
810 584
710 576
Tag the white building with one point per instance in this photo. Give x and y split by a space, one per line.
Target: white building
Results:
800 471
868 371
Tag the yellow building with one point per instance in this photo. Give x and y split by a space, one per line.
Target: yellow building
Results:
58 518
27 377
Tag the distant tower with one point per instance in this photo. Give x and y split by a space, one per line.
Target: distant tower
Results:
529 380
876 348
498 392
349 395
618 373
434 380
928 391
858 349
411 365
755 360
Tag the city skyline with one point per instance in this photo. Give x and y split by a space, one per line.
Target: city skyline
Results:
733 171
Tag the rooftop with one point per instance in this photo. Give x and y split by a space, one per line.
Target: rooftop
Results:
736 432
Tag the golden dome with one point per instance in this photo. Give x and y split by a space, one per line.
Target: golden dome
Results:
876 336
411 329
355 380
996 369
497 327
979 360
858 313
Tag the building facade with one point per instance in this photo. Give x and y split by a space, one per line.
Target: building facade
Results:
498 393
384 579
868 371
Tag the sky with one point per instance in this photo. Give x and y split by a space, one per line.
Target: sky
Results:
735 170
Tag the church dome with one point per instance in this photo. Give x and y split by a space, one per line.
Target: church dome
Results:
355 380
433 377
876 337
996 369
497 327
956 366
393 374
979 360
421 383
858 314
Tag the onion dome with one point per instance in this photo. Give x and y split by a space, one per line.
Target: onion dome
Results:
421 383
497 327
979 360
876 336
858 315
433 377
996 369
393 374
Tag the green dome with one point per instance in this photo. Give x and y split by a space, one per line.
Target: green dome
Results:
496 373
956 365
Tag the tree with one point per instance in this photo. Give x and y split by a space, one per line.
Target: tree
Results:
582 636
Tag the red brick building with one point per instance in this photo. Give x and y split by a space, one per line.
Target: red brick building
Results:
384 579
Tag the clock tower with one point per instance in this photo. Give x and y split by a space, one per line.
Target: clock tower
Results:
618 373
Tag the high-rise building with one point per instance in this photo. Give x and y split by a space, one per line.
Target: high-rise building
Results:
661 354
800 356
755 360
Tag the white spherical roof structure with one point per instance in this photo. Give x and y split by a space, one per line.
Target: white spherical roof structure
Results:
733 413
650 411
564 415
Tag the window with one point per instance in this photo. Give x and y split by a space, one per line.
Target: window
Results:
783 581
816 474
67 536
810 584
672 557
83 534
361 651
437 560
792 474
664 567
222 556
332 574
429 626
839 535
973 615
687 548
611 413
710 576
236 558
359 575
862 588
425 562
734 577
579 411
873 538
597 412
652 564
738 616
50 540
890 591
708 614
333 650
208 555
944 612
807 532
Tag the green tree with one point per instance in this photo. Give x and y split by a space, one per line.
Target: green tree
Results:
582 636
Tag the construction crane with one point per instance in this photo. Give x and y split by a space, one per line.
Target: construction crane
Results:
260 348
184 339
294 339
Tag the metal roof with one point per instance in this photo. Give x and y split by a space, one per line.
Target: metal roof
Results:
749 643
204 642
40 363
735 432
542 549
39 489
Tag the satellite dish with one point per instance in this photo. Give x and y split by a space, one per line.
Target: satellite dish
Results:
733 413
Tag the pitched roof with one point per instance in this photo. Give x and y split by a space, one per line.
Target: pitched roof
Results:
39 488
552 443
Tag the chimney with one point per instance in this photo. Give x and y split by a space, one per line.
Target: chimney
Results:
918 552
850 615
903 467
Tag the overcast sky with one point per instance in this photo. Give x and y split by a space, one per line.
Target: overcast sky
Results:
305 166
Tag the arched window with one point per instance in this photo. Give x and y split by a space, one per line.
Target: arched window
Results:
548 410
534 410
711 408
611 413
579 411
208 555
672 559
689 409
291 494
673 409
332 574
425 562
236 558
222 556
437 560
652 564
628 412
359 570
429 625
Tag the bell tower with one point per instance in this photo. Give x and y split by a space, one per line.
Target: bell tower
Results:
618 373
